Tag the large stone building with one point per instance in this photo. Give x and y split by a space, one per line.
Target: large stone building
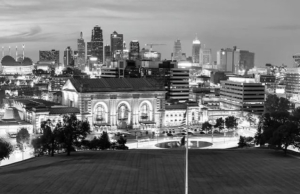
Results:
22 66
120 103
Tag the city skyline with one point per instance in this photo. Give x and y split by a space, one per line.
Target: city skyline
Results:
56 25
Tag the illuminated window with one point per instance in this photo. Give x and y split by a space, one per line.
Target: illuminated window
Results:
100 114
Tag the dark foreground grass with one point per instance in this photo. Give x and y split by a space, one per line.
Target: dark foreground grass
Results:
155 171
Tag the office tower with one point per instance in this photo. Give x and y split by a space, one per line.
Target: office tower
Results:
68 57
176 55
196 50
47 56
246 62
125 51
107 53
235 60
75 58
80 62
134 50
228 60
89 50
116 43
205 56
245 94
97 44
292 89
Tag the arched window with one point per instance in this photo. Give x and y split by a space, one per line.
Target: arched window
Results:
123 112
145 112
100 114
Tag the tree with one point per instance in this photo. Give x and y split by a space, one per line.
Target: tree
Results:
182 141
22 138
74 131
268 123
220 123
286 135
245 141
122 140
5 149
275 104
250 118
104 141
206 126
37 144
231 122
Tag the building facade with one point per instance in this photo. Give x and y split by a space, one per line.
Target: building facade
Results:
116 44
196 50
134 52
177 52
97 44
81 52
68 57
205 56
49 56
119 103
239 93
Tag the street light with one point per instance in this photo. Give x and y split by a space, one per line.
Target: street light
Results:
213 123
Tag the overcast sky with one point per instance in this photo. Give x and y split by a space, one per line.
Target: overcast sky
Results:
270 28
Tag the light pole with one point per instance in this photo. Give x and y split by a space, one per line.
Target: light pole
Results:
213 123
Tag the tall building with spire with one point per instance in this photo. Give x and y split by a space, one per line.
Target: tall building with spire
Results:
116 43
81 52
97 44
177 53
196 50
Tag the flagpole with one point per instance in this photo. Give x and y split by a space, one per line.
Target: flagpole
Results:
186 152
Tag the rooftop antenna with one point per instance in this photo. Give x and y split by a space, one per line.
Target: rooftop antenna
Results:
9 51
23 51
16 52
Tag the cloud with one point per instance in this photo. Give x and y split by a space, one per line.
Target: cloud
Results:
29 35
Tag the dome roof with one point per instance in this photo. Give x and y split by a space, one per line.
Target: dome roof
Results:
8 61
27 61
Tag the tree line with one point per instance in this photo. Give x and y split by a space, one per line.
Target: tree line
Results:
230 122
279 126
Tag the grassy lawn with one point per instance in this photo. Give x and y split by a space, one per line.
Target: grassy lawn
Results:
155 171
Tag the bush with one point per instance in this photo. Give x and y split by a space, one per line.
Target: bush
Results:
245 141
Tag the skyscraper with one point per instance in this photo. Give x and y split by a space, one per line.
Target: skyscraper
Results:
97 44
116 43
68 57
125 51
107 53
196 50
235 60
205 56
177 53
80 62
134 50
89 50
46 56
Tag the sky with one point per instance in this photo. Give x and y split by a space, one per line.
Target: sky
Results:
269 28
